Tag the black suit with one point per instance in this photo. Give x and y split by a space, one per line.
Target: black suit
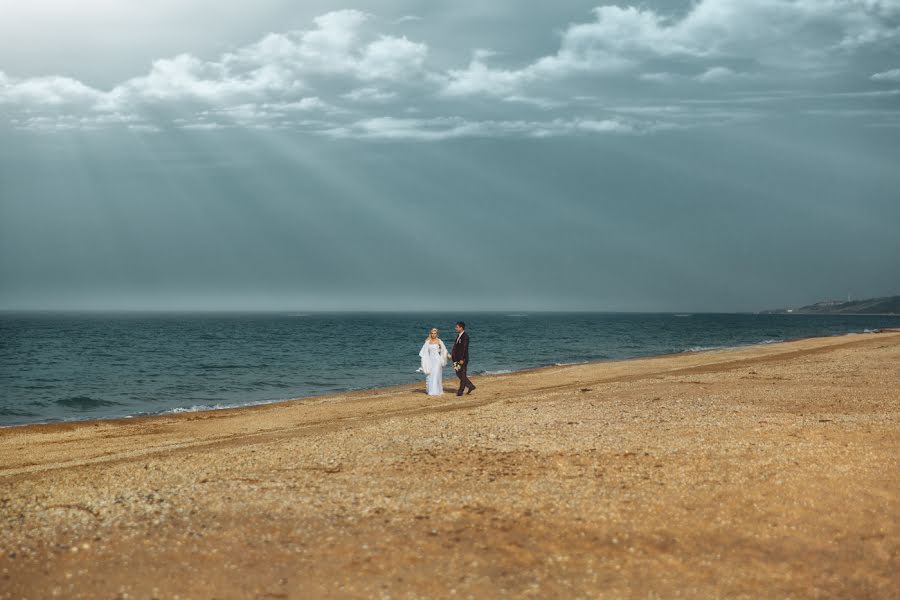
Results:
460 353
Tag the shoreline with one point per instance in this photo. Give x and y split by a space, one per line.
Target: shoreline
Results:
762 471
403 386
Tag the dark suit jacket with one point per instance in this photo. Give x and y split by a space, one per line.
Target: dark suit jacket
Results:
460 350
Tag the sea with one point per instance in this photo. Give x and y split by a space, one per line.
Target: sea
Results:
77 366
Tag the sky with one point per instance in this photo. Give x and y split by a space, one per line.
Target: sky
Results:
714 155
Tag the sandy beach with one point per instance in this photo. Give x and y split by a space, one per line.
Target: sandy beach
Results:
759 472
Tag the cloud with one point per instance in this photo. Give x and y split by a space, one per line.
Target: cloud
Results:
783 32
658 77
68 122
774 34
303 104
444 128
265 115
891 75
405 129
46 91
717 74
339 45
369 94
478 78
280 65
536 101
343 77
186 77
143 128
391 58
211 126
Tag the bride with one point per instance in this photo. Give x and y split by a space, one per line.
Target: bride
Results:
434 358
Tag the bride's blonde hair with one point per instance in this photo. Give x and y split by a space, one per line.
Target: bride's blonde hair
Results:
436 330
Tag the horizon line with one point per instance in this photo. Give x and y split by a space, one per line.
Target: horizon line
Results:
509 312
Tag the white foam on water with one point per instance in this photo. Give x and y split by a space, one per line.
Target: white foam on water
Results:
196 408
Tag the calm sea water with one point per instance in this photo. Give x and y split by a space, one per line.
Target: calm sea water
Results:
57 367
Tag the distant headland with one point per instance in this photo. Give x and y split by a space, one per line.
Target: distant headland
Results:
888 305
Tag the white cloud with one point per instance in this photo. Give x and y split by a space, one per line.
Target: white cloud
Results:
717 74
405 129
479 78
70 122
536 101
277 67
280 65
444 128
369 94
144 128
263 114
391 58
303 104
605 126
333 75
339 45
244 114
781 32
46 91
186 77
776 34
210 126
891 75
407 19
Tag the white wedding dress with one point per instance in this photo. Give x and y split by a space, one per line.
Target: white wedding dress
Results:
434 359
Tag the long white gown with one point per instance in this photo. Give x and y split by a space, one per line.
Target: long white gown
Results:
434 359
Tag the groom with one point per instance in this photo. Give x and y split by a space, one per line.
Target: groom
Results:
460 357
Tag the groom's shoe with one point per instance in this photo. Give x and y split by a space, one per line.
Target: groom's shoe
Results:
470 390
459 393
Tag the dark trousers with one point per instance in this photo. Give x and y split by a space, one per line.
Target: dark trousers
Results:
463 379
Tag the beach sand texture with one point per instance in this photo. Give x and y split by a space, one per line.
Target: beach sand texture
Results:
760 472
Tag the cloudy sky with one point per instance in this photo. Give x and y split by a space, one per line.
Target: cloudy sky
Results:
715 155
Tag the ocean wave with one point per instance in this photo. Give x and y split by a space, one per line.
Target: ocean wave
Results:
195 408
732 347
85 402
218 406
703 348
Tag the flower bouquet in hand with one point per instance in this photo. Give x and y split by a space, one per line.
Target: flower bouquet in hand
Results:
457 365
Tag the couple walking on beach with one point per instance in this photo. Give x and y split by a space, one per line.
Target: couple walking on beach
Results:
434 357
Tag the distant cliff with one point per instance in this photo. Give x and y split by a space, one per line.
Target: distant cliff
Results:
889 305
